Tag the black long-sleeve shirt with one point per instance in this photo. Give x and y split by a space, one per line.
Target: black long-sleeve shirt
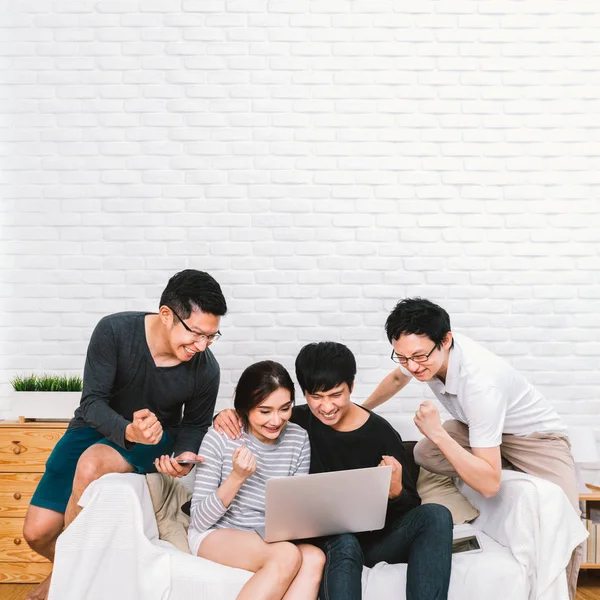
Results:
121 377
364 447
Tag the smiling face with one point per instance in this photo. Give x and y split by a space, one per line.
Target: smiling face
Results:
332 406
184 344
267 420
407 346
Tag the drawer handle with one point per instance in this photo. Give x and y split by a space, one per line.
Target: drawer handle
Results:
17 541
17 449
17 496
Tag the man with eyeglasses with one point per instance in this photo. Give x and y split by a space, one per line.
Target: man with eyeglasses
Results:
497 415
150 386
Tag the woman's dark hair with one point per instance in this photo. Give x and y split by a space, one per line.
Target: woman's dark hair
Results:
420 317
191 290
324 365
258 382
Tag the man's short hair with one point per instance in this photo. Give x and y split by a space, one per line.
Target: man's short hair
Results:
323 366
191 290
420 317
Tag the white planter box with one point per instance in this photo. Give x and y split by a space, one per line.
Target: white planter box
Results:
45 405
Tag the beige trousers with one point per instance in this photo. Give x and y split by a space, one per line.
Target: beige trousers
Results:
545 455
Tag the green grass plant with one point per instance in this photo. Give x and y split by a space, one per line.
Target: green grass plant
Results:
47 382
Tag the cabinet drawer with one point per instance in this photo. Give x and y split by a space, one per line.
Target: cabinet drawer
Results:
16 490
13 547
24 572
26 449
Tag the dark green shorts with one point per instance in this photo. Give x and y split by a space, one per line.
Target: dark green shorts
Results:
54 489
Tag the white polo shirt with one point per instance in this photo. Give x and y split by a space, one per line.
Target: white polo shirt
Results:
483 391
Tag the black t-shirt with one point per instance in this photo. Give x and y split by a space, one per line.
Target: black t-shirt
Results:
364 447
120 377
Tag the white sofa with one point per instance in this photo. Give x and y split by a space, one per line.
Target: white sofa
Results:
112 550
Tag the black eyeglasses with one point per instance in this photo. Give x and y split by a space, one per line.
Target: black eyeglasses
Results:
200 337
418 358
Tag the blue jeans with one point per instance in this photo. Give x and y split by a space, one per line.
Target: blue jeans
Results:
422 537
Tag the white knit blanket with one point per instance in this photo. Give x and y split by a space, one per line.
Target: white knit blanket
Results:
534 518
112 550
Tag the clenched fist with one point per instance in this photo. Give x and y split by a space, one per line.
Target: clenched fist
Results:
145 428
244 463
427 419
396 482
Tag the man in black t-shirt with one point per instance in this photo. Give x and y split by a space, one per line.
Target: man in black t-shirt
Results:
346 436
150 385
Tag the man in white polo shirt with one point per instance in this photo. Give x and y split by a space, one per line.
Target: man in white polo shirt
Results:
497 414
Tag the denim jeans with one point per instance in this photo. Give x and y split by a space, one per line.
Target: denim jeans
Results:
422 537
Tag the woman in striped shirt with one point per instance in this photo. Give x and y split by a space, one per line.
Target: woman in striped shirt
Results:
228 503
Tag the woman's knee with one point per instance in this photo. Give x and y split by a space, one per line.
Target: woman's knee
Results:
286 558
313 558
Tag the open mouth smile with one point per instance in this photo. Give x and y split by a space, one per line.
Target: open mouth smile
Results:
330 415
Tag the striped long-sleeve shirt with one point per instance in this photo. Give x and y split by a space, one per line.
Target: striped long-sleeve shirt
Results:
289 455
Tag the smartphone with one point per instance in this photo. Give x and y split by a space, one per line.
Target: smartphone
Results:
466 544
187 461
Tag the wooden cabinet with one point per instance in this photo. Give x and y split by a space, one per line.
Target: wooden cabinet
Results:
24 449
590 500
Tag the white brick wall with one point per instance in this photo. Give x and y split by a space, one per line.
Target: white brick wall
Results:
322 158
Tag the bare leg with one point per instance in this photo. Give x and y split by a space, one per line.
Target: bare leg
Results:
41 529
306 583
274 565
96 461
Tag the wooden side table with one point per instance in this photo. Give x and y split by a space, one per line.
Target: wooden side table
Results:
24 448
592 500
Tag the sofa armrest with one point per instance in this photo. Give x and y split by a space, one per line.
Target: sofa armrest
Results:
109 550
502 508
535 520
128 491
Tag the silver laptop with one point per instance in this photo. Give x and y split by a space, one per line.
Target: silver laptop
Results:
307 506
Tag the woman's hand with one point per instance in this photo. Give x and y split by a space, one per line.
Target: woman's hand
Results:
244 463
244 466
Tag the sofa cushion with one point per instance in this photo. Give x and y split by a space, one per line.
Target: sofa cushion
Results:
439 489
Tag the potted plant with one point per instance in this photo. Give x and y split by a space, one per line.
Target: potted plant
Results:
46 396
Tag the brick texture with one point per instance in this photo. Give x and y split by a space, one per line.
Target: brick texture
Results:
322 158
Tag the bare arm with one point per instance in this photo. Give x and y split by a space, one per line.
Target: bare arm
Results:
482 470
389 386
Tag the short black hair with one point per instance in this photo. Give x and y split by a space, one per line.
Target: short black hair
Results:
258 382
321 366
420 317
191 290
